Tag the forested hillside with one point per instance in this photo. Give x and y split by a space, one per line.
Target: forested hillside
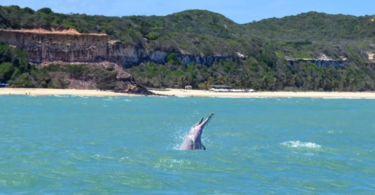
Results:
259 49
315 26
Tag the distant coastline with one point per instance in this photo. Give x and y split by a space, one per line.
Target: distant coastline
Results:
42 91
276 94
189 93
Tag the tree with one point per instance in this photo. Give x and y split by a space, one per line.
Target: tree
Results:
45 10
172 58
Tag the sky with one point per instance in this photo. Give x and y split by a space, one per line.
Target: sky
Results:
240 11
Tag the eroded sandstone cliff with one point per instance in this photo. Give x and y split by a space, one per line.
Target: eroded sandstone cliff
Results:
45 46
72 60
54 46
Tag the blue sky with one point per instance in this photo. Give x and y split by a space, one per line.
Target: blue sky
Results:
240 11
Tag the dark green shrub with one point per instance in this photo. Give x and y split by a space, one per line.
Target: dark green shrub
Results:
6 71
153 35
45 10
172 58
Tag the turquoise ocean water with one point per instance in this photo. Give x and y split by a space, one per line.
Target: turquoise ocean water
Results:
129 145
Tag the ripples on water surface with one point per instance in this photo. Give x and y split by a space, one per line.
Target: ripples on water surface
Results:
119 145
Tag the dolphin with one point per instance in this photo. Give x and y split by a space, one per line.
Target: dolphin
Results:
192 140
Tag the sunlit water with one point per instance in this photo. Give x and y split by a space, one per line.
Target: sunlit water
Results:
129 145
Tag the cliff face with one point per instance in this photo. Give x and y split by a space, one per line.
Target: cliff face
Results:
50 47
320 63
127 55
44 47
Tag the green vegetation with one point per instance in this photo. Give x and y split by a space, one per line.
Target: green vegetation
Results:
15 69
314 26
301 77
94 76
266 44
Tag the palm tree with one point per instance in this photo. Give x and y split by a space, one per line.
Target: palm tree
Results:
181 81
209 82
249 83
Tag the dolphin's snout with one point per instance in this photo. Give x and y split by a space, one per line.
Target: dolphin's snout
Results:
203 123
200 122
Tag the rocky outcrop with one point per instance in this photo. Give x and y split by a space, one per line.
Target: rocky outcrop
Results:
99 76
128 55
124 54
322 61
52 46
206 59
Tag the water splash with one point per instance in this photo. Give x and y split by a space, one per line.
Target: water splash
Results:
298 144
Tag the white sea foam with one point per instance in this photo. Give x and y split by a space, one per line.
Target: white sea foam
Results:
261 97
227 97
64 96
101 156
334 132
171 163
109 99
335 98
230 97
298 144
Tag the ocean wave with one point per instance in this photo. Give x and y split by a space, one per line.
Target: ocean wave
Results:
63 96
227 97
298 144
350 98
240 97
110 99
337 98
173 163
70 96
334 132
101 156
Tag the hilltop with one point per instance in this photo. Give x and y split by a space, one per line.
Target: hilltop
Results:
315 26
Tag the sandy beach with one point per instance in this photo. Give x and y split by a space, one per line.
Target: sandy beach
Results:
312 94
38 91
189 93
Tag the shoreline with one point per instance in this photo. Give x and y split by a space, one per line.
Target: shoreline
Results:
276 94
46 92
188 93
